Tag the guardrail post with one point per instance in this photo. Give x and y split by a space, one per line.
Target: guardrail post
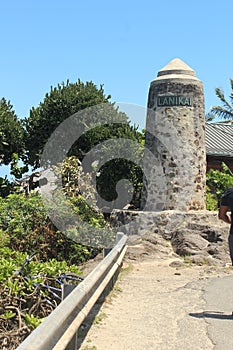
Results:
119 235
106 251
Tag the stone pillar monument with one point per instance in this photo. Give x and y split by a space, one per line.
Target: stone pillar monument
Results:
175 158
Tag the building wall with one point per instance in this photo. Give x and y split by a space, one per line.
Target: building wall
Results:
215 163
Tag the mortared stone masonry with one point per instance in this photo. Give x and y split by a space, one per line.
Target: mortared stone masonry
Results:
175 165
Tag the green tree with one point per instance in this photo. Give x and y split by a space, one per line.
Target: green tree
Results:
59 104
226 110
11 133
123 168
64 101
11 144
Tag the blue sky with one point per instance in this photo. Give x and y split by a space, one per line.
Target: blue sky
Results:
121 45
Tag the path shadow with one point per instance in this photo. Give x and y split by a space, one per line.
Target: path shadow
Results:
91 317
88 322
212 314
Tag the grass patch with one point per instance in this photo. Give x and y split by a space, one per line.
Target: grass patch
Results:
125 270
100 318
116 288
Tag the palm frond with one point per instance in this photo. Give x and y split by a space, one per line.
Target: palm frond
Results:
209 117
226 110
222 112
231 82
231 95
220 94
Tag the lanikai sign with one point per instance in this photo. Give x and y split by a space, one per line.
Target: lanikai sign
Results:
168 101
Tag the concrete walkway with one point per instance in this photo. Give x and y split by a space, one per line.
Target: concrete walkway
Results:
166 308
218 312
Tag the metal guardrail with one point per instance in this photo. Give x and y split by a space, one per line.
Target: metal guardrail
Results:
59 328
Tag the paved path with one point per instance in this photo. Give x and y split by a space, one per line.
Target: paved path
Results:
167 308
218 312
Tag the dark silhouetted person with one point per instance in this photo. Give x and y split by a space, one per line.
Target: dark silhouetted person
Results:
225 214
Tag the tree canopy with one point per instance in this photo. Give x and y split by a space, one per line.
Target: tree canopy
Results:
59 104
66 100
11 133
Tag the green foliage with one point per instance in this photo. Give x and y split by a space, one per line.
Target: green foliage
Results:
71 172
6 187
75 184
16 169
98 134
100 318
226 110
20 292
80 225
9 314
114 171
67 99
24 302
4 239
20 216
59 104
8 263
217 183
86 213
123 166
11 144
12 260
118 168
11 133
32 321
50 268
24 226
211 200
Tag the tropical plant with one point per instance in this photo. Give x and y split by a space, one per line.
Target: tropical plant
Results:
226 110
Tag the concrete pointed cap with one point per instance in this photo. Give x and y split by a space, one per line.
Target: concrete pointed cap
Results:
176 69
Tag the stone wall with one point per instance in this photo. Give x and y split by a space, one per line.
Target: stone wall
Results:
198 236
137 223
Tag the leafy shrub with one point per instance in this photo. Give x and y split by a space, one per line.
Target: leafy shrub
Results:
87 214
211 201
25 227
11 261
23 305
217 182
20 215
